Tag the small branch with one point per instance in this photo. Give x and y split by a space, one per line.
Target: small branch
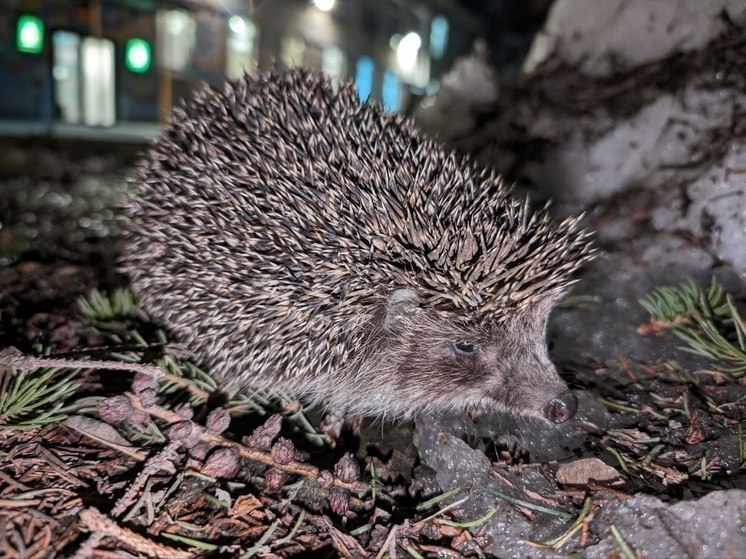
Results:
30 362
101 526
152 466
256 455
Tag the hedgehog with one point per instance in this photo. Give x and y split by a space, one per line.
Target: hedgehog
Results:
299 240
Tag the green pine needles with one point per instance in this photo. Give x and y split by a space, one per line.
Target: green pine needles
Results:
97 306
706 320
30 399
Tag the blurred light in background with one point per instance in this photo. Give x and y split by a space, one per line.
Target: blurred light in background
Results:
99 93
116 62
66 73
291 51
407 51
390 94
137 55
364 70
333 63
240 47
324 5
438 37
30 34
175 35
237 25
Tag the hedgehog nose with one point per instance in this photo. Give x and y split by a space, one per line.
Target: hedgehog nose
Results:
562 408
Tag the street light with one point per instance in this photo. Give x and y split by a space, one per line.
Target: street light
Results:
237 25
324 5
406 51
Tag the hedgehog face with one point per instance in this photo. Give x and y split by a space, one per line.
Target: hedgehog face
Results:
449 365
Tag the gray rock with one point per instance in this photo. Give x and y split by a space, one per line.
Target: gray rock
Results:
456 464
710 527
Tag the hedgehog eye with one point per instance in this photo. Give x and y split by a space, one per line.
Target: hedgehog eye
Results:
466 349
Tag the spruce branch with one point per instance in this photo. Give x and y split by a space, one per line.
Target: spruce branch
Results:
30 399
707 321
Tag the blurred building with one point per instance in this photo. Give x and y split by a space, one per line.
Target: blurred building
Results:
77 64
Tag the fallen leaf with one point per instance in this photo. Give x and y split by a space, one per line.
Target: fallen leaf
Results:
104 434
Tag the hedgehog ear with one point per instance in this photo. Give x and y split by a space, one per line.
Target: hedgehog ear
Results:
400 303
544 307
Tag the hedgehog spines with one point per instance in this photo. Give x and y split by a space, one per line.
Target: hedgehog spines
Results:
291 210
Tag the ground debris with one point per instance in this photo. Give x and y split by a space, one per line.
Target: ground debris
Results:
171 477
580 472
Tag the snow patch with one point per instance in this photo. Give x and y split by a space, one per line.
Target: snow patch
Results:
601 37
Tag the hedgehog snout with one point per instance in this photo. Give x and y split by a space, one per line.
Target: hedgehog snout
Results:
526 382
562 407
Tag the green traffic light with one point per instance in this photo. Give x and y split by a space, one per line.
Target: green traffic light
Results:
29 34
137 55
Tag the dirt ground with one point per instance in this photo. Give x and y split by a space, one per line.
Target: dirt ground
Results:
99 458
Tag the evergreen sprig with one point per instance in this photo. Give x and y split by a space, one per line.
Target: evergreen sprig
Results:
31 399
97 306
106 311
707 321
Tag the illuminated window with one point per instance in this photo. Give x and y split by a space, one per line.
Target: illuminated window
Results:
98 69
333 63
390 91
291 51
364 77
438 37
176 35
66 74
30 34
413 65
240 47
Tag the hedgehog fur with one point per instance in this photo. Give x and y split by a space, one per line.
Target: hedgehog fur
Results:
300 241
